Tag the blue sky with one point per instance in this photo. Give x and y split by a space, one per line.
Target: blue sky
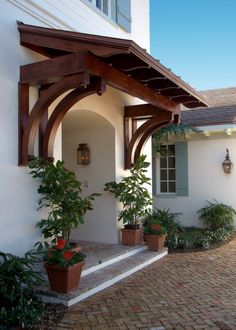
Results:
196 39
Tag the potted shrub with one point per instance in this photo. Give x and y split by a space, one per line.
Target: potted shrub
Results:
64 268
168 219
61 196
155 233
136 200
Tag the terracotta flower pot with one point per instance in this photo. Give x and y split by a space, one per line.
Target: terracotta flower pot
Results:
64 279
131 236
155 242
155 226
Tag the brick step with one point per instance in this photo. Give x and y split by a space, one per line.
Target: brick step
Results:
104 277
97 262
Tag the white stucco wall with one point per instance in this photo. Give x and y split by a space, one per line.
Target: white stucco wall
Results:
18 196
207 180
82 16
107 158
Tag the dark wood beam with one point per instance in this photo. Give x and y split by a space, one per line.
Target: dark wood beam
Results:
51 70
126 84
142 111
23 114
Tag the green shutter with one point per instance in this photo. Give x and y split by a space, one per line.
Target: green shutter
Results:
154 176
113 10
123 17
181 155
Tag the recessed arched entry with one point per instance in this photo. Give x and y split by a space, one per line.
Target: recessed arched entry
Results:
87 126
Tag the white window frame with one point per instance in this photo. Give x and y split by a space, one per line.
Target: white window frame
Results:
167 168
94 3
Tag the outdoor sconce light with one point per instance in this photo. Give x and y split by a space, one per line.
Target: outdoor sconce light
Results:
83 155
227 164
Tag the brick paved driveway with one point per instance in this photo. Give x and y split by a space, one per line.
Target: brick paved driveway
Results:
182 291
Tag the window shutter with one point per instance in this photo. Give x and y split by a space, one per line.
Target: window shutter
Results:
181 155
123 18
154 176
113 10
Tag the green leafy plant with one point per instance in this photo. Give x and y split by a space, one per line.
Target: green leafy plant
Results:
168 220
216 215
60 195
63 257
162 136
19 304
193 238
202 238
132 193
220 234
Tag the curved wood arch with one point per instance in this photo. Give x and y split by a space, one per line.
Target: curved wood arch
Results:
60 111
41 107
151 123
146 136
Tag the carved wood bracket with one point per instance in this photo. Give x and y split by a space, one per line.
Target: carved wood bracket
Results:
81 84
134 137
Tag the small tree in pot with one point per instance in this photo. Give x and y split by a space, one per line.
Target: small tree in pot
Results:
61 195
136 200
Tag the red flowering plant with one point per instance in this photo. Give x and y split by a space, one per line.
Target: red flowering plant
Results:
63 257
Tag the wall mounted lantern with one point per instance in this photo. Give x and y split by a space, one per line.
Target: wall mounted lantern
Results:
83 154
227 164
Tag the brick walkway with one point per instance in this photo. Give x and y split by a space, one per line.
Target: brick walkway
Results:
182 291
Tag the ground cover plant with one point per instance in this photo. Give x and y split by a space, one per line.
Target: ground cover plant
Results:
217 219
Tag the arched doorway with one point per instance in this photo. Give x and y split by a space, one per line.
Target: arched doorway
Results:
86 126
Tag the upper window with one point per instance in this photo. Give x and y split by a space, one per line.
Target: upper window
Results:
103 5
168 169
118 11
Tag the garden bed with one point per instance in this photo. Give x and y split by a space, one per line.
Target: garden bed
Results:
197 239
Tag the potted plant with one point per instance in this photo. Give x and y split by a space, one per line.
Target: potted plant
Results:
170 221
64 268
135 197
61 196
155 233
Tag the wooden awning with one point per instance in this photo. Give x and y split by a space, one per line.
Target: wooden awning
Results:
121 54
85 64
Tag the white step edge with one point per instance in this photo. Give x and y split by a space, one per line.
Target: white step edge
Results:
113 260
104 285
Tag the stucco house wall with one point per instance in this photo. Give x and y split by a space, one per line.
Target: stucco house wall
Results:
18 196
206 152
